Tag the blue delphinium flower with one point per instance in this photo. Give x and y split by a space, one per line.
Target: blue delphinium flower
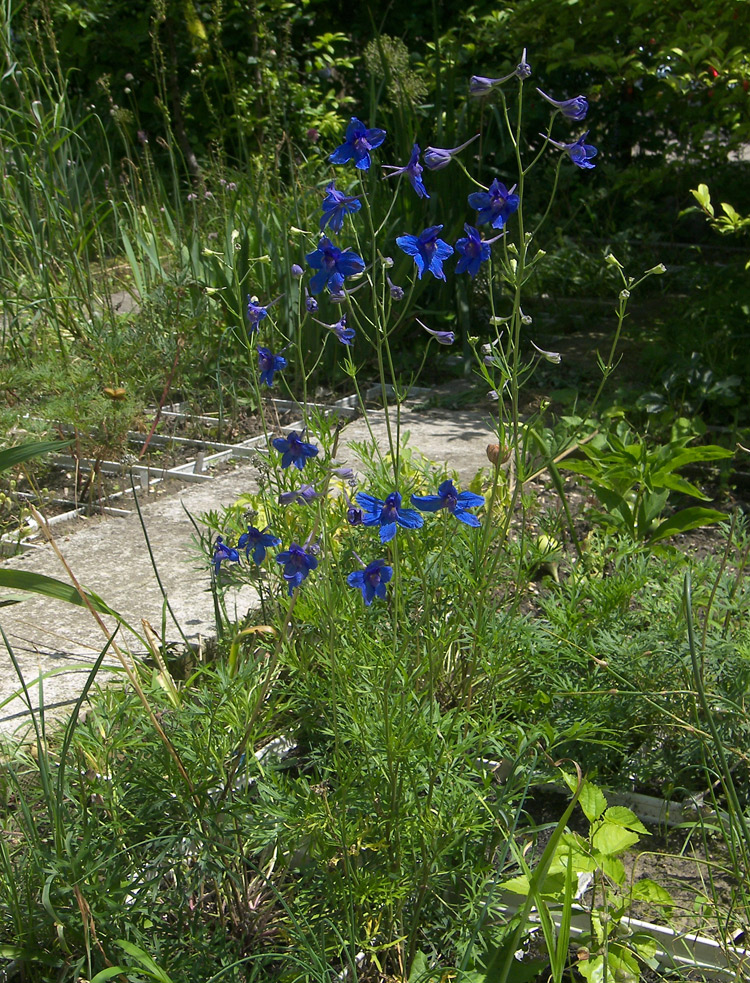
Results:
255 543
333 265
302 495
579 152
575 108
413 170
428 251
372 580
297 565
441 337
473 251
448 498
358 142
335 206
495 205
436 158
294 450
269 364
387 514
354 516
223 552
345 335
255 313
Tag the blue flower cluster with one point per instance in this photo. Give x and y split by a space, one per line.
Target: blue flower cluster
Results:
253 542
331 265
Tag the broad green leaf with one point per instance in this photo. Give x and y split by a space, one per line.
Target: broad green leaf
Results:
419 967
622 816
12 456
613 867
702 195
646 947
685 520
648 890
11 952
612 839
593 801
676 483
692 455
592 969
518 885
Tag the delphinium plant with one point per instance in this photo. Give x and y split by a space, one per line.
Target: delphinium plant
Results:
381 586
338 798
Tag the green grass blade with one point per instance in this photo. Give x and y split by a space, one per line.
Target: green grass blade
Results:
12 456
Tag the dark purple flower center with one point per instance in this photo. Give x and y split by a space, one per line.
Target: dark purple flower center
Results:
390 508
297 557
473 247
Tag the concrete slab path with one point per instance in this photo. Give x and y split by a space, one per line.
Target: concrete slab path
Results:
58 641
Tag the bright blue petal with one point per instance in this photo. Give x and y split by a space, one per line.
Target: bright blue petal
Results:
428 503
387 532
342 154
369 503
410 519
466 517
479 200
318 281
335 283
349 263
409 244
468 500
375 137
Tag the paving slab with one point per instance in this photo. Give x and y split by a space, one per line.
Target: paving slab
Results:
59 641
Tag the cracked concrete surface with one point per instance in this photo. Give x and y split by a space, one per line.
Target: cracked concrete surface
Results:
58 642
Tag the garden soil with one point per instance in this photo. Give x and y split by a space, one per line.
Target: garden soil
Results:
55 643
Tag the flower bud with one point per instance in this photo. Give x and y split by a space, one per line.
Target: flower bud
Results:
397 293
657 270
624 294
